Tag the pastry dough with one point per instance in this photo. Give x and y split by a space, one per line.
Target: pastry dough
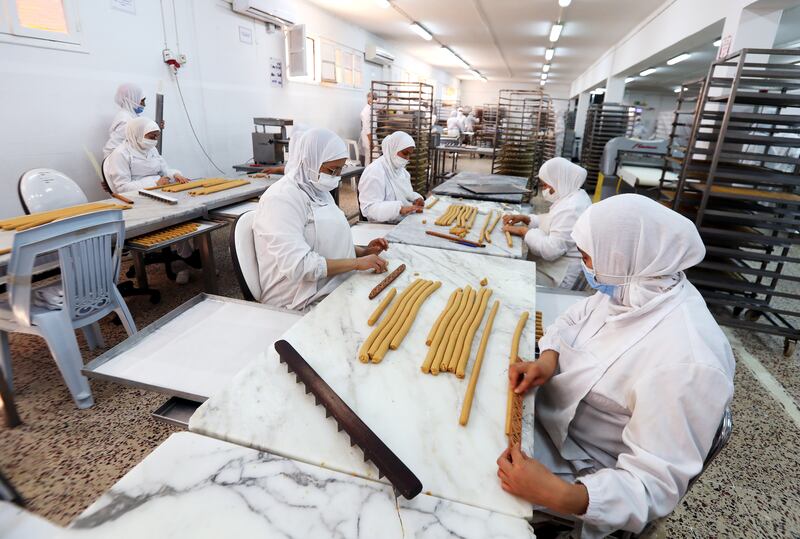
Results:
178 187
217 188
485 226
24 222
386 328
441 329
363 352
443 355
387 281
476 370
508 239
390 339
513 359
401 334
432 332
432 203
463 360
376 314
453 359
169 233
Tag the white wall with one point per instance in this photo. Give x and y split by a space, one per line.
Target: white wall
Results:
55 102
475 92
654 105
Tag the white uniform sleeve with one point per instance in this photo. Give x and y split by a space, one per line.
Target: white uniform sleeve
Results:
557 242
372 194
577 312
117 170
116 136
164 168
534 221
279 228
665 451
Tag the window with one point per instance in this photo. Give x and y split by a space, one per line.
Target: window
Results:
311 62
45 20
340 65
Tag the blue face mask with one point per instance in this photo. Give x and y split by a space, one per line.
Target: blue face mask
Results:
607 289
139 109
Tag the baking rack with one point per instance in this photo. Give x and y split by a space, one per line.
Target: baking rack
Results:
525 133
739 184
604 121
484 137
408 107
442 108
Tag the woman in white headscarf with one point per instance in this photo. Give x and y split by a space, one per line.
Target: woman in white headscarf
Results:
136 164
453 129
384 190
303 241
131 103
634 380
548 235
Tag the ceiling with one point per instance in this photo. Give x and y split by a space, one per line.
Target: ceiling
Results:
502 39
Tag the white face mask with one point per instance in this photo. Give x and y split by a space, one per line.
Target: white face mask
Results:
327 182
402 161
149 143
548 196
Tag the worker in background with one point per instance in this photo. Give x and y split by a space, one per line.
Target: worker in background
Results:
303 242
548 236
633 380
469 125
461 119
452 125
131 104
385 194
366 129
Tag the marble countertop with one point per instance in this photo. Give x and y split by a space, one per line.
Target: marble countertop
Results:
411 230
415 414
451 188
148 215
195 486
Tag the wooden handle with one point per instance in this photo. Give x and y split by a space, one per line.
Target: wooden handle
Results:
124 199
453 238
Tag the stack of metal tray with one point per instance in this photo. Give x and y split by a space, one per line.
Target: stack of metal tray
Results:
604 121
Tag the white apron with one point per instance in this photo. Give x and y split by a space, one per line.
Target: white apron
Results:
333 239
559 273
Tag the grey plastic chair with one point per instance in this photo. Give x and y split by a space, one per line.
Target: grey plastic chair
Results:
89 248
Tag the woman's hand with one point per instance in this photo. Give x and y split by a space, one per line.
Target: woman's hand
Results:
376 246
516 230
405 210
162 125
163 180
181 179
529 479
371 262
524 375
516 218
420 202
273 170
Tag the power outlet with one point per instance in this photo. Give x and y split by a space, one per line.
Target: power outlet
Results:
182 59
167 54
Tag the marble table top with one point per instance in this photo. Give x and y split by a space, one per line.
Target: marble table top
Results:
451 187
415 414
195 486
148 215
411 230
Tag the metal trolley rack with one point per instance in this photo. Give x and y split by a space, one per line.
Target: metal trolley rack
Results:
442 108
524 136
678 141
484 137
740 186
405 106
604 121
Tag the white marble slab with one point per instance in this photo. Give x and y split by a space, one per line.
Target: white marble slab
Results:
196 353
363 233
415 414
411 230
195 486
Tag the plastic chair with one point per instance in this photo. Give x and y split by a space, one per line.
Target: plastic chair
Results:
355 161
89 248
44 189
243 254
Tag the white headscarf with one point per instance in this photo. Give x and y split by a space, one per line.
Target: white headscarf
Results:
316 146
395 171
135 131
564 176
639 244
128 97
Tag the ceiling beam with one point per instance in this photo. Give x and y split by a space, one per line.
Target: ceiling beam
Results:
485 21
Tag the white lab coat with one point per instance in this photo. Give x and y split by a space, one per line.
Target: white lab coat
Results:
470 122
453 129
385 185
366 129
116 133
549 240
293 237
129 170
635 403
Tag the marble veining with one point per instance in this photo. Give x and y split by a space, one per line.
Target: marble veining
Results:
415 414
451 187
195 486
411 230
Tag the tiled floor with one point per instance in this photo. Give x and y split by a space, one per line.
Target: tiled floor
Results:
62 458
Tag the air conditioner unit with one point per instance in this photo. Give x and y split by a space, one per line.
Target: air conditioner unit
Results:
271 11
376 55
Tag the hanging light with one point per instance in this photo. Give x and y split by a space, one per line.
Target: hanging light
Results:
629 79
544 76
564 3
420 31
647 71
549 53
718 42
555 31
546 68
458 59
678 59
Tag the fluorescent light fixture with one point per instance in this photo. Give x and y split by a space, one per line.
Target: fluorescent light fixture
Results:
564 3
647 71
678 59
546 68
549 53
475 74
420 31
383 3
555 31
718 42
460 60
629 79
676 90
599 90
544 76
542 83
